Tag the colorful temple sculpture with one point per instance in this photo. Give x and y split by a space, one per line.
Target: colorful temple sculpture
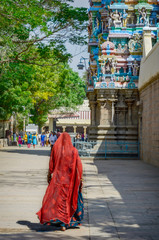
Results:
120 34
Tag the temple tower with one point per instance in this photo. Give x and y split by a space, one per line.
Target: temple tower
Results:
117 32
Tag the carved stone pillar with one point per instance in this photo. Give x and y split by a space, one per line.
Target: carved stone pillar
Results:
75 128
129 103
99 115
113 111
104 112
121 109
108 112
93 113
85 130
147 41
64 128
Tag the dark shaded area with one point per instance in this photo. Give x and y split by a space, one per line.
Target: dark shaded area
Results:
38 227
35 151
135 214
42 236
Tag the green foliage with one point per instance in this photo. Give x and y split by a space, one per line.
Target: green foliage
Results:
34 75
56 87
14 93
28 22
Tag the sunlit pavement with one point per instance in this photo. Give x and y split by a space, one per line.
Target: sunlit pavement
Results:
121 198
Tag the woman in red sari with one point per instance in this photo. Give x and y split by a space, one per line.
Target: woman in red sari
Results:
63 202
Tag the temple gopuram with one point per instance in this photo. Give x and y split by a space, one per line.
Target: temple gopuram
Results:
120 34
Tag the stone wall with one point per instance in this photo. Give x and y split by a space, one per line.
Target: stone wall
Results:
149 138
149 107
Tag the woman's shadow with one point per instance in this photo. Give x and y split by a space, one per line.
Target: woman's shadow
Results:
39 227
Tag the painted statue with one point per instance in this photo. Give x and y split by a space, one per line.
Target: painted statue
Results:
143 14
116 17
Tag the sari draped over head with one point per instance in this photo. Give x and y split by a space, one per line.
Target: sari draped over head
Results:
61 197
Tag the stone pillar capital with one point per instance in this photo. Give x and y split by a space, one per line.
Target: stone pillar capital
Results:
75 128
64 128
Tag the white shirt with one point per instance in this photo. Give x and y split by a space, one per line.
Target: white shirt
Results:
52 139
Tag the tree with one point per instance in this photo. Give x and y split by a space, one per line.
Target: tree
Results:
33 56
14 93
56 87
45 24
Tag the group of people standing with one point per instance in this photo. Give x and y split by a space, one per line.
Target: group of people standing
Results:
32 139
27 138
81 137
47 139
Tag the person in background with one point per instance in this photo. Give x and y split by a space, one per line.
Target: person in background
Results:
14 137
63 202
47 139
58 133
25 138
86 137
17 137
52 139
20 141
77 136
82 137
39 137
34 140
29 140
43 140
51 133
31 136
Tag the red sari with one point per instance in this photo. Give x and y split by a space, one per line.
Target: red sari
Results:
60 199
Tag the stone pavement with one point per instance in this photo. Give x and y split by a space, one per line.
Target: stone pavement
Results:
121 198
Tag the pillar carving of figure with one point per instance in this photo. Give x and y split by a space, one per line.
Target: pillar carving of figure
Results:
135 68
124 18
108 66
121 109
116 17
112 101
143 16
93 113
105 112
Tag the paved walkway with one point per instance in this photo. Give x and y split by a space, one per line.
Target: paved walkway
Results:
121 198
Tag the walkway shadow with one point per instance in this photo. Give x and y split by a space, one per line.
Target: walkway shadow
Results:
38 152
38 227
131 197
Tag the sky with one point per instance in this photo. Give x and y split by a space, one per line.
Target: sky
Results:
79 51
